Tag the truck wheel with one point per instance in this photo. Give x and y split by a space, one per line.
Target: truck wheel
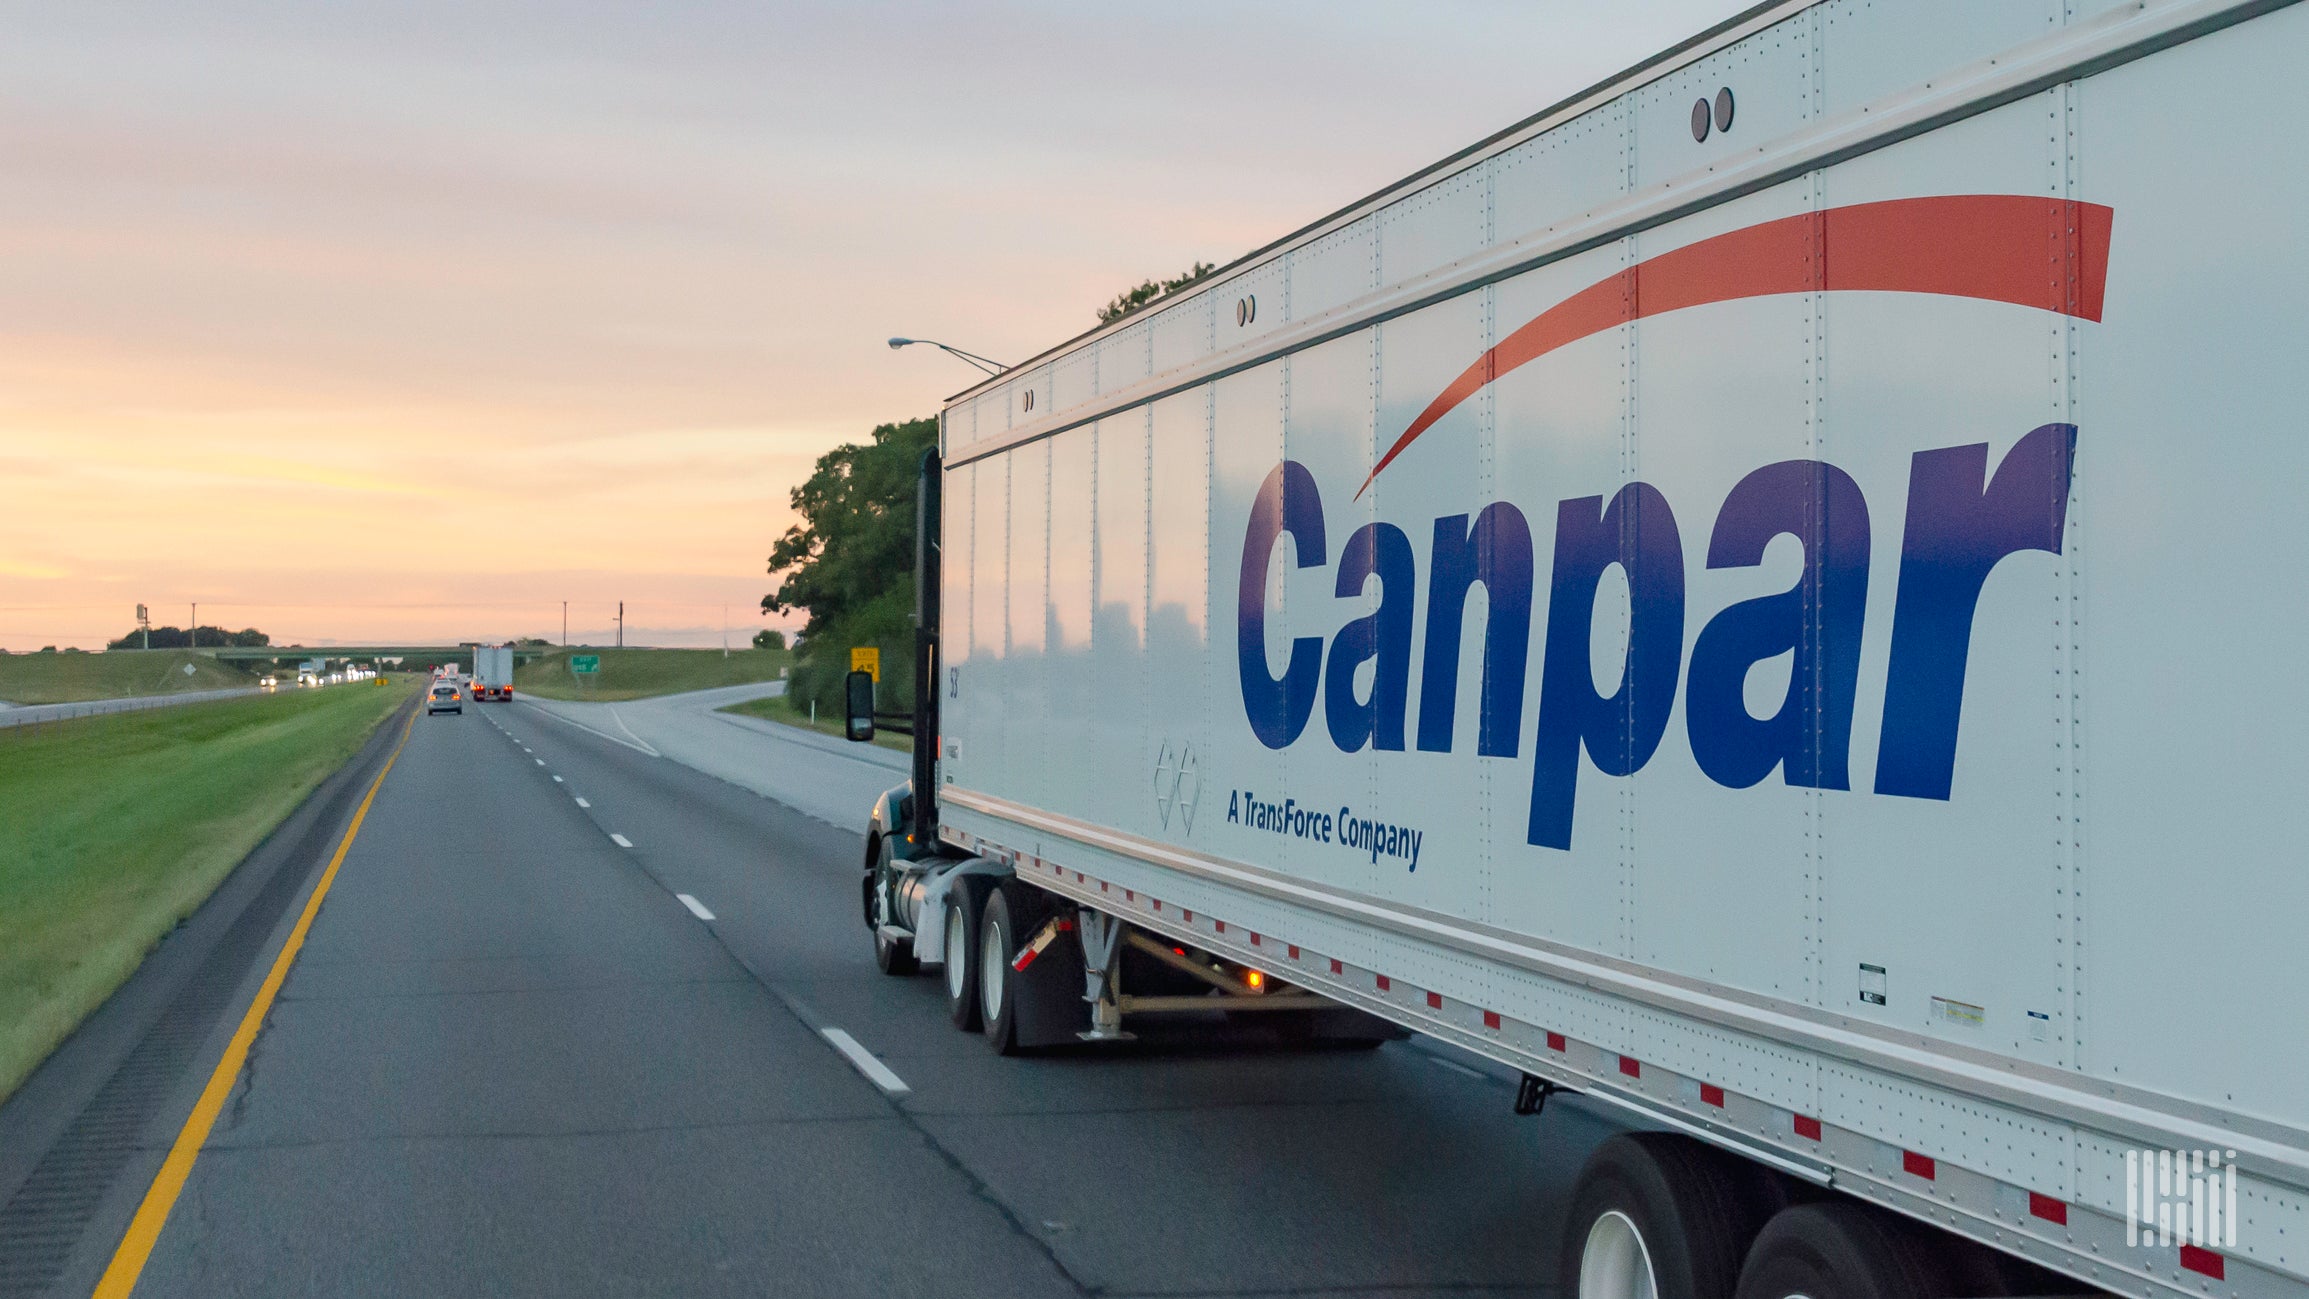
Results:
997 948
1659 1214
1012 915
894 957
965 906
1842 1248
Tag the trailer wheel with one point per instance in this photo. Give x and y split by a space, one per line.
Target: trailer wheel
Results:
1842 1248
965 904
1659 1214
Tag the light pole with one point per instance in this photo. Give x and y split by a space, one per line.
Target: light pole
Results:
991 367
565 624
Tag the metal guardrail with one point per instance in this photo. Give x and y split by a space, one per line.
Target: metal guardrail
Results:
43 717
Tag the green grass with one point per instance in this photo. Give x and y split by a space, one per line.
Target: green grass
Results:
641 673
778 710
69 678
113 829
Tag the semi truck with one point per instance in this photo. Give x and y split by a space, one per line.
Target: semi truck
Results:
1762 595
492 673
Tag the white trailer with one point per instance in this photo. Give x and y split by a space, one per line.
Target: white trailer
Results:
1763 594
492 673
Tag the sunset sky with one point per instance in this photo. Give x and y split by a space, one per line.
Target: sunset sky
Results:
413 320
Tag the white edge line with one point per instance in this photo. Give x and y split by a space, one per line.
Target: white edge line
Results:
619 718
696 908
621 841
636 743
582 803
864 1062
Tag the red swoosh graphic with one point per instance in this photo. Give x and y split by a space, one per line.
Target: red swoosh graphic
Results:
2051 254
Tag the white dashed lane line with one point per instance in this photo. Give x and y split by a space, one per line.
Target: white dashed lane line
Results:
582 803
621 841
541 762
557 780
696 908
864 1062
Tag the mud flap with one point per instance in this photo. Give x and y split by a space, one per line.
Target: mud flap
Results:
1051 1011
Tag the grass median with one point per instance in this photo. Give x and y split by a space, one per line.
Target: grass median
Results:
113 829
643 673
776 709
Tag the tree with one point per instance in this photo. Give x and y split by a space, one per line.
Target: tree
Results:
853 551
769 638
850 562
204 636
1130 300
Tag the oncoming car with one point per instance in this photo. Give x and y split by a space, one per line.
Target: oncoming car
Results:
444 698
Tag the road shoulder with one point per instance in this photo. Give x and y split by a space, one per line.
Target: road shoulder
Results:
82 1138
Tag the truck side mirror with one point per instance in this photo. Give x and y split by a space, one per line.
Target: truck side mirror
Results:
858 715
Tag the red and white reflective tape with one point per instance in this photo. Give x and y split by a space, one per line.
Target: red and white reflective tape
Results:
1049 935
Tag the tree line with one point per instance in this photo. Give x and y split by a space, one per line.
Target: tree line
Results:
203 637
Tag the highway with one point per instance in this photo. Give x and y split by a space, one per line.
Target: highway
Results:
568 1022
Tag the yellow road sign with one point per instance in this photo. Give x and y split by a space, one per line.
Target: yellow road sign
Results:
867 659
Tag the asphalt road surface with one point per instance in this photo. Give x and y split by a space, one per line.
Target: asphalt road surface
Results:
560 1028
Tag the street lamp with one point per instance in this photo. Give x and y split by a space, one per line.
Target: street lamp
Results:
991 367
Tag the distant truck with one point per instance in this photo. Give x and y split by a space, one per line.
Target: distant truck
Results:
492 673
1757 595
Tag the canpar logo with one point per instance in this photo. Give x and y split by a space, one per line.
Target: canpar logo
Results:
1962 520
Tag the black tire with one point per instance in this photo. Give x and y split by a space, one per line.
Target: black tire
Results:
892 956
1845 1249
965 910
1688 1210
1014 913
999 939
895 957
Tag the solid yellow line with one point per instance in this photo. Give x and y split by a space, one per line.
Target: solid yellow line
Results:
144 1230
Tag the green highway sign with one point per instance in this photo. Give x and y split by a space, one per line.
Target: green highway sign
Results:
585 663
